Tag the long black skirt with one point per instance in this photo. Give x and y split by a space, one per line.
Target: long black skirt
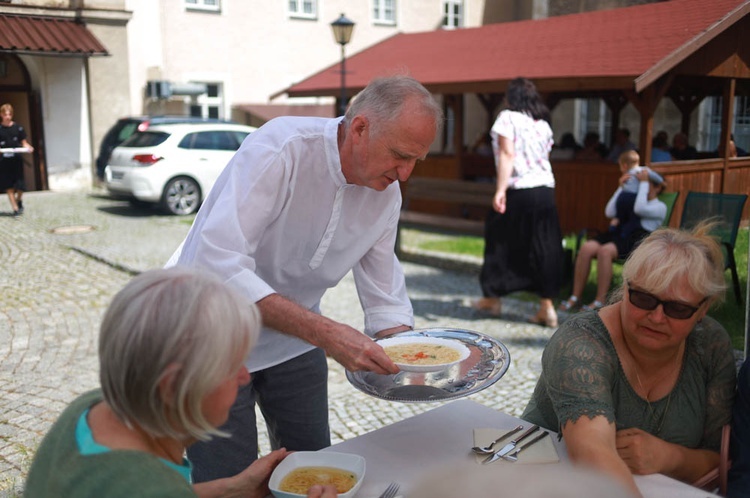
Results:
523 247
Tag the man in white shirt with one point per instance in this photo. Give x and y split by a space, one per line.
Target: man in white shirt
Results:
303 202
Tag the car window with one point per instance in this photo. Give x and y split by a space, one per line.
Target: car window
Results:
126 130
240 137
209 140
145 139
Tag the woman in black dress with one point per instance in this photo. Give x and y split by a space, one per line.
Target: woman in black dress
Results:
523 241
12 136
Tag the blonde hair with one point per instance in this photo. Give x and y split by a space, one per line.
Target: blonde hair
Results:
628 159
180 323
6 107
668 254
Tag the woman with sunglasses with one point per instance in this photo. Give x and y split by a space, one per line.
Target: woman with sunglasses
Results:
645 384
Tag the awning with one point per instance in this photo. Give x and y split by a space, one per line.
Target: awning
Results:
47 36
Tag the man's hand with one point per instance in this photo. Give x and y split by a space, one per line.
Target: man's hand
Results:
356 351
348 346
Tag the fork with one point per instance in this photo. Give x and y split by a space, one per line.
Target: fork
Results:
390 491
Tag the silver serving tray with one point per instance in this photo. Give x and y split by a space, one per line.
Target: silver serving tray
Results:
488 361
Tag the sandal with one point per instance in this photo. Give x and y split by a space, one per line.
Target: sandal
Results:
593 306
545 318
568 304
491 305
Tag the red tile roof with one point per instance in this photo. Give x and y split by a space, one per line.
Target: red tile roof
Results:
47 35
626 43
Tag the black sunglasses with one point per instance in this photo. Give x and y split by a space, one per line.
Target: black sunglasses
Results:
672 309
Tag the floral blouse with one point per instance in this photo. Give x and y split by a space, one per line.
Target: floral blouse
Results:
532 140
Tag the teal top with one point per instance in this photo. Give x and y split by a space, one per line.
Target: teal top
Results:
87 445
70 463
582 376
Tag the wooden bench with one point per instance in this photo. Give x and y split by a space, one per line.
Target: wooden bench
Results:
454 206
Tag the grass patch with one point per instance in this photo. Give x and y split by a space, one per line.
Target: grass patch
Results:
728 313
467 246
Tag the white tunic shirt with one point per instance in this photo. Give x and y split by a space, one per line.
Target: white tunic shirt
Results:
282 219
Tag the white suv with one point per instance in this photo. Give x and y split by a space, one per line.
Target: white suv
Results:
174 165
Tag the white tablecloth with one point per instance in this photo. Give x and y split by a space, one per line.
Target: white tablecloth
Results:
407 449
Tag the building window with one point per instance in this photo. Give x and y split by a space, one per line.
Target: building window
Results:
453 14
713 106
210 5
384 11
307 9
209 104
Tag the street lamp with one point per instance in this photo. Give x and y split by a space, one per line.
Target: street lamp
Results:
342 33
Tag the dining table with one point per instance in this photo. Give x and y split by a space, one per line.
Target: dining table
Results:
407 450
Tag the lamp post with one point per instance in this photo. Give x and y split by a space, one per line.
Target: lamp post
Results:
342 33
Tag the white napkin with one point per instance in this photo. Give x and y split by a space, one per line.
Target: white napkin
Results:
540 452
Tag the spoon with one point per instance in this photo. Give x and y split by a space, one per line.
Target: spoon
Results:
488 449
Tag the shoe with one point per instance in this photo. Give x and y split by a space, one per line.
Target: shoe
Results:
20 207
568 304
546 318
593 306
491 305
16 213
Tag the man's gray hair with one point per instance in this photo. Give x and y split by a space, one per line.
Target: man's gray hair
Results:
176 323
383 99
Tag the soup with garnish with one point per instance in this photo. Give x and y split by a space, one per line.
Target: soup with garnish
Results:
302 479
417 353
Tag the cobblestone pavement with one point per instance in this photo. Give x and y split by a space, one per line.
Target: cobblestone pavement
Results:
65 258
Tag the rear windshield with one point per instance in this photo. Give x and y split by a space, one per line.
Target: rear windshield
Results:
145 139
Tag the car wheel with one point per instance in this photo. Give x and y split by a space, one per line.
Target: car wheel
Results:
181 196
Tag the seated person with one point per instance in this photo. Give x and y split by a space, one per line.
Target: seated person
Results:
739 473
566 149
660 150
645 384
634 217
172 347
621 144
682 150
592 150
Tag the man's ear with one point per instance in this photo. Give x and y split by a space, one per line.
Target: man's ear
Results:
360 125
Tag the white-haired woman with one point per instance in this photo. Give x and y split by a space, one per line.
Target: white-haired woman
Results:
172 347
645 384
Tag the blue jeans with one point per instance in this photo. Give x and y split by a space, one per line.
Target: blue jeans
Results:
293 398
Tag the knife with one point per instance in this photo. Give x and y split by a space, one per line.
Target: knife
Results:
513 456
510 446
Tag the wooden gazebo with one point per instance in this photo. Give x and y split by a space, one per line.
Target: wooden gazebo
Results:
684 50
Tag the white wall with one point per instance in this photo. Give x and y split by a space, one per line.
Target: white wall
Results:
62 86
255 48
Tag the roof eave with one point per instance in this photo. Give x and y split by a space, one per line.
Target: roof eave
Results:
690 47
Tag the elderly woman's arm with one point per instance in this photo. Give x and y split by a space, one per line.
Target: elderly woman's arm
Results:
644 453
591 442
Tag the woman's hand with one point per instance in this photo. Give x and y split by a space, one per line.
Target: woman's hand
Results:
319 491
642 175
250 483
624 178
642 452
498 202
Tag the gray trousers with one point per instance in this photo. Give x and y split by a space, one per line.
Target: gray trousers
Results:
293 398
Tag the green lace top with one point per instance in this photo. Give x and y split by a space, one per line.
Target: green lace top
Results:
582 376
